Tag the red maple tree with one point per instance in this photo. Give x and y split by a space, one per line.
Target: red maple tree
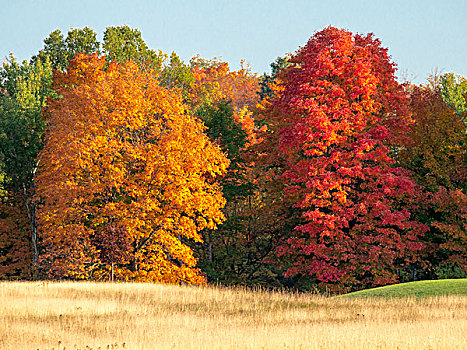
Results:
333 127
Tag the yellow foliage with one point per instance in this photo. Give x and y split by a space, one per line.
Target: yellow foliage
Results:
126 176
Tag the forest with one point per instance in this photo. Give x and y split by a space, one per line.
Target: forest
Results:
119 162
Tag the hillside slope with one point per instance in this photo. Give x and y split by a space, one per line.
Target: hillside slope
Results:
416 289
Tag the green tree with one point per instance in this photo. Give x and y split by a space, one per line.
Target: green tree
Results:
234 253
81 40
60 50
453 90
177 74
24 91
122 44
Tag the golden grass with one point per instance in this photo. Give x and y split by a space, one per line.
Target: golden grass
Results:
86 315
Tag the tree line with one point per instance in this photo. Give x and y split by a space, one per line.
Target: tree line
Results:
120 162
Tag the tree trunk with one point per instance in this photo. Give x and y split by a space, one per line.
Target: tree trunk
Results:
209 247
31 210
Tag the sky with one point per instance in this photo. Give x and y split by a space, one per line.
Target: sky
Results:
423 36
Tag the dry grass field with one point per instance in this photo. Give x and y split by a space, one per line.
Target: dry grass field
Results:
142 316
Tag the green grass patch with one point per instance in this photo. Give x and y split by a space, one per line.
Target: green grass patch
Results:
418 289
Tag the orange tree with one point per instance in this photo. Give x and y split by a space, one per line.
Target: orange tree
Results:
332 129
126 175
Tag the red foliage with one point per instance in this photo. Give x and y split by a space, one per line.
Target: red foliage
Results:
435 153
340 113
449 229
15 244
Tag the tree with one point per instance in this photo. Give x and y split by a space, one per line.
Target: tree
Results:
122 44
331 132
81 41
453 88
224 255
436 154
234 253
24 89
177 75
435 149
60 50
268 81
126 176
214 83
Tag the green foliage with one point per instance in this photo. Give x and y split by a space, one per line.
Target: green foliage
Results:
449 271
54 50
234 252
60 50
25 91
453 89
81 40
123 44
221 126
177 74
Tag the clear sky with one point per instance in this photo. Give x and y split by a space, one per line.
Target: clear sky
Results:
422 35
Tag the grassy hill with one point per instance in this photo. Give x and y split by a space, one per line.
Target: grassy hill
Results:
418 289
87 315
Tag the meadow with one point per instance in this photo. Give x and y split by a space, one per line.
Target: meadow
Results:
85 315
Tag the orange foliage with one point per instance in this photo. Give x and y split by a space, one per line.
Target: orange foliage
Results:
126 177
